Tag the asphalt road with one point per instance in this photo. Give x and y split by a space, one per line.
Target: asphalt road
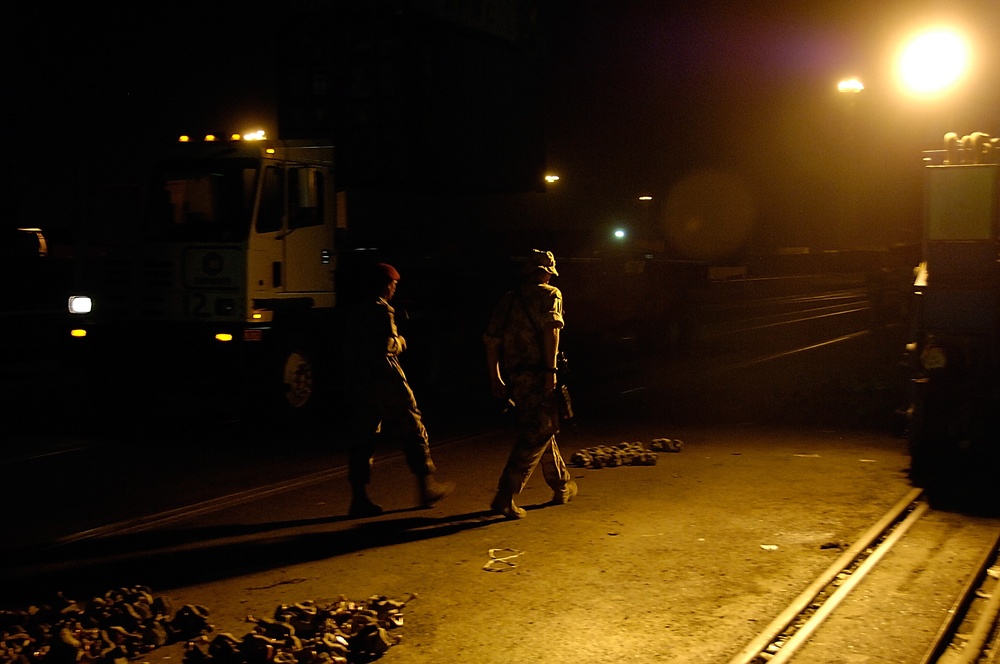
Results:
680 561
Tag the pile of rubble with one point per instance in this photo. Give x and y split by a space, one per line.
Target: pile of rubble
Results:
128 623
624 454
112 629
341 632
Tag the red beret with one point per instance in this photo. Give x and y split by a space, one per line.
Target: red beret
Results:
389 271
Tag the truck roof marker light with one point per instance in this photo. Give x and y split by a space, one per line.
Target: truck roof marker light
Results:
183 138
223 336
257 316
210 138
235 137
269 151
78 333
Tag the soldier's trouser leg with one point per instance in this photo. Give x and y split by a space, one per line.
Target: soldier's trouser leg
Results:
359 460
403 422
524 456
364 434
554 468
538 423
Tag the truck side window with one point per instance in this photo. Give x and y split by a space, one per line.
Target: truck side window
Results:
305 197
272 201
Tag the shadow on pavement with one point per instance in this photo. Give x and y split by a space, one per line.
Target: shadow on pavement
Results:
172 558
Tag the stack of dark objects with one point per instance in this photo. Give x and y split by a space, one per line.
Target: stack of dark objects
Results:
624 454
342 632
112 629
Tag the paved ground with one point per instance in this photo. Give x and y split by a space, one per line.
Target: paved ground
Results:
679 562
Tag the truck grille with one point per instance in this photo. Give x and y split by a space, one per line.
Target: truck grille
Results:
136 289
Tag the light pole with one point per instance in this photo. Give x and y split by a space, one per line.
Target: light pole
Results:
849 89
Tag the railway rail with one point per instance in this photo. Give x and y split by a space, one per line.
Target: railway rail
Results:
971 633
968 635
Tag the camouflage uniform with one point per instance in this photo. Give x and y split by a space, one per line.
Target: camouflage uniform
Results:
382 401
524 368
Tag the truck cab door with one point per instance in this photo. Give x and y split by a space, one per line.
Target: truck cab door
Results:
266 272
309 233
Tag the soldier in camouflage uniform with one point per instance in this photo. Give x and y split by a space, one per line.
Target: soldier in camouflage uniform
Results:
522 344
382 401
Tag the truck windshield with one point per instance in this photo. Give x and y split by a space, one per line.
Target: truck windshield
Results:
202 201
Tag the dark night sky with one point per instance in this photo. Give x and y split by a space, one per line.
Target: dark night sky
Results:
662 89
640 93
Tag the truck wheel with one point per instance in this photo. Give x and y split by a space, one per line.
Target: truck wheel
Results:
296 381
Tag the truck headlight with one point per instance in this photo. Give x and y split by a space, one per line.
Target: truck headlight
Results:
80 304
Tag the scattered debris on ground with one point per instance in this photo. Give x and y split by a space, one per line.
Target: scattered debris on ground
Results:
341 632
624 454
666 445
500 560
129 623
120 625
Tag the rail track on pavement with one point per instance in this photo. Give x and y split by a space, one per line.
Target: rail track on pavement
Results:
967 636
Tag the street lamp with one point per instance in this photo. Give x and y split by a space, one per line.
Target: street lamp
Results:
932 62
850 85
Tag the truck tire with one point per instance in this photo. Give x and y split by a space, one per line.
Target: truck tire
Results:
298 381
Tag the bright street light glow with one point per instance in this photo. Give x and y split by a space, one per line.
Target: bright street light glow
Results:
933 61
850 85
551 178
620 233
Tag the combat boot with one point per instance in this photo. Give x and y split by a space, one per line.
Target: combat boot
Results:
361 505
433 492
504 505
566 494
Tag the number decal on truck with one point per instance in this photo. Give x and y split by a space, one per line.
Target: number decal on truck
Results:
196 304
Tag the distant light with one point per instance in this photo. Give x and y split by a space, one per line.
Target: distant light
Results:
551 178
80 304
620 233
933 61
223 336
645 198
254 136
850 85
